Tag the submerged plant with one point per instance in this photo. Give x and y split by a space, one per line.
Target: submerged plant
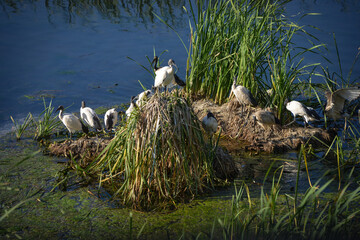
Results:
159 157
20 128
46 123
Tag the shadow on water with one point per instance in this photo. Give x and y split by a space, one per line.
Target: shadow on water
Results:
116 12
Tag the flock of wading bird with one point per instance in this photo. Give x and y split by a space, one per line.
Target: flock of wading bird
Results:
166 77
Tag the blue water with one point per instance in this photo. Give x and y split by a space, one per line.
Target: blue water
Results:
79 52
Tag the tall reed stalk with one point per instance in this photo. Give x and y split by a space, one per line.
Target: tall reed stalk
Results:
249 40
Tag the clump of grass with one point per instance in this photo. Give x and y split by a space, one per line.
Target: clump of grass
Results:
159 157
46 123
248 40
21 127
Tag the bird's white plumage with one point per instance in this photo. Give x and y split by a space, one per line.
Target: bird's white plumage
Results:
90 117
131 107
299 109
110 118
142 97
71 122
165 75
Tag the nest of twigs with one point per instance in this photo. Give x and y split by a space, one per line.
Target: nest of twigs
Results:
160 156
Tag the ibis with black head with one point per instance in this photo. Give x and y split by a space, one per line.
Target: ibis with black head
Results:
71 122
165 76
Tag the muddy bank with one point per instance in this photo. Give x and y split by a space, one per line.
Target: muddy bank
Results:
83 149
241 126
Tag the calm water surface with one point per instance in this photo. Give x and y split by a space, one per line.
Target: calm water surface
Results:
75 52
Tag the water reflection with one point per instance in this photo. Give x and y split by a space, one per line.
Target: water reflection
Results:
116 12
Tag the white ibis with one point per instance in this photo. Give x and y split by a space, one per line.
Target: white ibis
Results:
90 117
177 79
131 107
165 76
71 122
243 95
299 109
110 118
335 102
142 97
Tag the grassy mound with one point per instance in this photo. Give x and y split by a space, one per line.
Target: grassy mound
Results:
160 156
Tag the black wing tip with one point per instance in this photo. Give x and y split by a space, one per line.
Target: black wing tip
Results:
97 123
253 101
85 129
312 113
179 82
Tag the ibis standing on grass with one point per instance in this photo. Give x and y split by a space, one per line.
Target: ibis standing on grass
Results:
71 122
165 76
299 109
243 95
90 117
335 102
210 124
177 80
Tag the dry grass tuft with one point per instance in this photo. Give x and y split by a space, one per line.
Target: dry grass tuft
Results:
159 157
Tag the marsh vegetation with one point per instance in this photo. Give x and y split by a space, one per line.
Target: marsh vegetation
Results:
160 157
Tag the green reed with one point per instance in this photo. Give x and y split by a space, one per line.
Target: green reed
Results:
46 122
21 127
247 40
159 157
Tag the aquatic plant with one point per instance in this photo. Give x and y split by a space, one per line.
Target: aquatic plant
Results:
46 122
21 127
158 157
248 40
311 215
